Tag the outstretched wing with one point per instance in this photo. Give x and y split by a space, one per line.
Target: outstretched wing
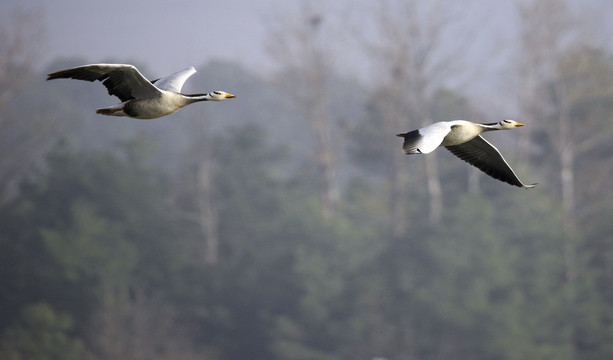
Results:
483 155
123 81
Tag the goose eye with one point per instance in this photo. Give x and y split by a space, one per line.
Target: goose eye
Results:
216 93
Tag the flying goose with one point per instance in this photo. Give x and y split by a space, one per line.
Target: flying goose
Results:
140 98
463 139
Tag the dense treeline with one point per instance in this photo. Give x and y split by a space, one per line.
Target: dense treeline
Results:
102 257
99 251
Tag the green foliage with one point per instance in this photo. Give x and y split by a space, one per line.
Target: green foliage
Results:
110 248
98 222
42 334
92 247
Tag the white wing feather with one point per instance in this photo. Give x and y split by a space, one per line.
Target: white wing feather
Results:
426 139
174 82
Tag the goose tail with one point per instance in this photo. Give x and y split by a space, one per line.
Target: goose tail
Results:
114 111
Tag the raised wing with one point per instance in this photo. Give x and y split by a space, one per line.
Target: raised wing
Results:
426 139
483 155
123 81
174 82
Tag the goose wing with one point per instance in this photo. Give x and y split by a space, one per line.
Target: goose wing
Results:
123 81
483 155
174 82
426 139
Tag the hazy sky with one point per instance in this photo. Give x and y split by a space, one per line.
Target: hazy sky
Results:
166 35
171 35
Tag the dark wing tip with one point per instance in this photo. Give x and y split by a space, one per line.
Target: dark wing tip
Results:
78 73
484 156
55 75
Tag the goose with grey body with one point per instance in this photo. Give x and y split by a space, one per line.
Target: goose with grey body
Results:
463 138
140 98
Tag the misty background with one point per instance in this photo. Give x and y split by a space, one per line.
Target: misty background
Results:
287 223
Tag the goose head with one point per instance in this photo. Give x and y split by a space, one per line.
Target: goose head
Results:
509 124
220 95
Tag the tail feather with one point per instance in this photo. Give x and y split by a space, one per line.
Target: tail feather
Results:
111 111
412 143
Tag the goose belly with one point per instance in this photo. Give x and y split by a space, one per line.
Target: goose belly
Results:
151 108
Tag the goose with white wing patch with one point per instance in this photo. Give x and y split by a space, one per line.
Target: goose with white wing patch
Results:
463 139
140 98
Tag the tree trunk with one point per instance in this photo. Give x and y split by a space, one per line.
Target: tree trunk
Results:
209 219
567 181
324 154
435 192
397 194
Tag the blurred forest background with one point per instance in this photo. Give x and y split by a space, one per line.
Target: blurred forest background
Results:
287 223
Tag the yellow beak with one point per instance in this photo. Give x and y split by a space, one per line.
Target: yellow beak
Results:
518 125
230 96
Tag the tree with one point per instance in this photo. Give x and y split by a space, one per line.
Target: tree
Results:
412 60
24 131
18 41
101 225
567 86
301 45
141 325
43 334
